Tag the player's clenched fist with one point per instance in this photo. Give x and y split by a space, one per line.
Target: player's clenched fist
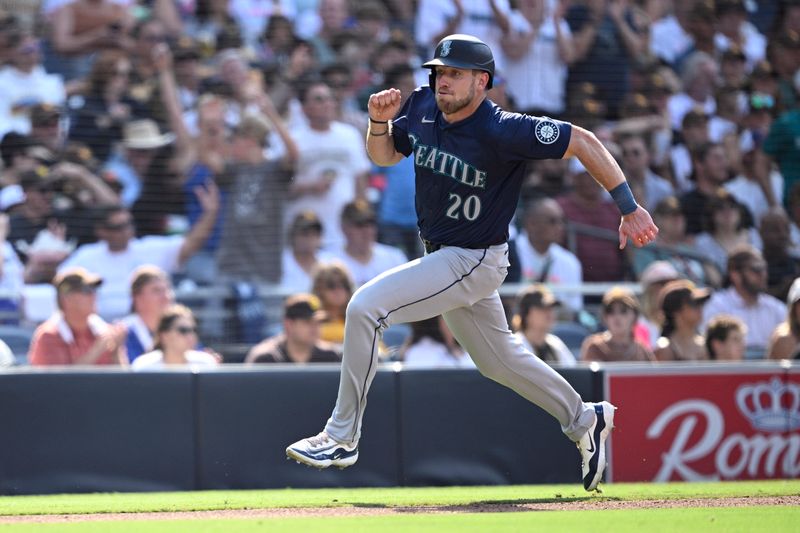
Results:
384 105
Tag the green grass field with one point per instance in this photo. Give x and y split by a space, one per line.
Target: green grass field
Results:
700 518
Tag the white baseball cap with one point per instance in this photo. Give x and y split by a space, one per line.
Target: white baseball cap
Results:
659 271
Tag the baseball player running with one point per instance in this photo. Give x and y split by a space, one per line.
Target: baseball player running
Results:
469 157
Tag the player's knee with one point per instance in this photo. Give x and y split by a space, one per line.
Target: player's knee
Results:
359 307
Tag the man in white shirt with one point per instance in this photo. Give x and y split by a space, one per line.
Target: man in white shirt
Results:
118 253
699 75
746 298
364 257
488 21
541 258
538 50
733 28
669 39
332 166
24 83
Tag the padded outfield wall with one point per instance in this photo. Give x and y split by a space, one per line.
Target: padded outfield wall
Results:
113 430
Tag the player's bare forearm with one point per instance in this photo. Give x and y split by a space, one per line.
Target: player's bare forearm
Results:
595 157
380 147
636 224
382 107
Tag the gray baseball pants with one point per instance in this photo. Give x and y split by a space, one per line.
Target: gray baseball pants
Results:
460 284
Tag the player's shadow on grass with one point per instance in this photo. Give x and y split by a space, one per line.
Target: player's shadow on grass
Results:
486 506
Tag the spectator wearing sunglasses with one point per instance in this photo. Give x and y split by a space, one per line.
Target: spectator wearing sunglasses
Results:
333 284
364 257
332 165
75 335
681 304
25 83
745 298
175 340
619 342
119 252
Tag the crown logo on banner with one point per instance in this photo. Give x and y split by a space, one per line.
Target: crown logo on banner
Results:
770 406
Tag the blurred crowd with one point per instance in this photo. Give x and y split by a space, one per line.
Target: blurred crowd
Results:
220 143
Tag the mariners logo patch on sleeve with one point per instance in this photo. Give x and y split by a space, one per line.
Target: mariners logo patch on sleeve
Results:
547 131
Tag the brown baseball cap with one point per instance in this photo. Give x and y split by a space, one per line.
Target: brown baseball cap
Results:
620 295
681 291
306 220
303 306
537 295
76 278
359 212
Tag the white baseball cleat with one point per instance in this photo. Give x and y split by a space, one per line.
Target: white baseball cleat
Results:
592 445
322 451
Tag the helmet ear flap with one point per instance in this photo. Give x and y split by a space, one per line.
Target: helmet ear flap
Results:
432 80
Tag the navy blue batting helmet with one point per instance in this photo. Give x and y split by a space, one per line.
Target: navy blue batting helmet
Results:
462 51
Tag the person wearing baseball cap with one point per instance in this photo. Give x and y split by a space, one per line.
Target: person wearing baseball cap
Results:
682 303
618 343
303 252
785 340
75 335
653 278
534 322
362 254
300 340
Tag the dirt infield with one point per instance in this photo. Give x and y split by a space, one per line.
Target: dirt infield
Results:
356 509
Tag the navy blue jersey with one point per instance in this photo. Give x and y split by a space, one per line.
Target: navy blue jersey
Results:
469 173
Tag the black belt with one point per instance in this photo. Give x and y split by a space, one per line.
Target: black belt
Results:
431 247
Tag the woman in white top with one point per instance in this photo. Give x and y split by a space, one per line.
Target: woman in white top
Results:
725 229
431 345
535 320
176 337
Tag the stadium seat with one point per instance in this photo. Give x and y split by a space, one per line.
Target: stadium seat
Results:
572 334
19 340
396 335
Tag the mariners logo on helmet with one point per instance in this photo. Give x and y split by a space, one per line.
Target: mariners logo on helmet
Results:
546 131
445 49
464 52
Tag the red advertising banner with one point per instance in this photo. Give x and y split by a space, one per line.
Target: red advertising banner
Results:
704 426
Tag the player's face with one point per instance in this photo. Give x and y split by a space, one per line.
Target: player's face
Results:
456 88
